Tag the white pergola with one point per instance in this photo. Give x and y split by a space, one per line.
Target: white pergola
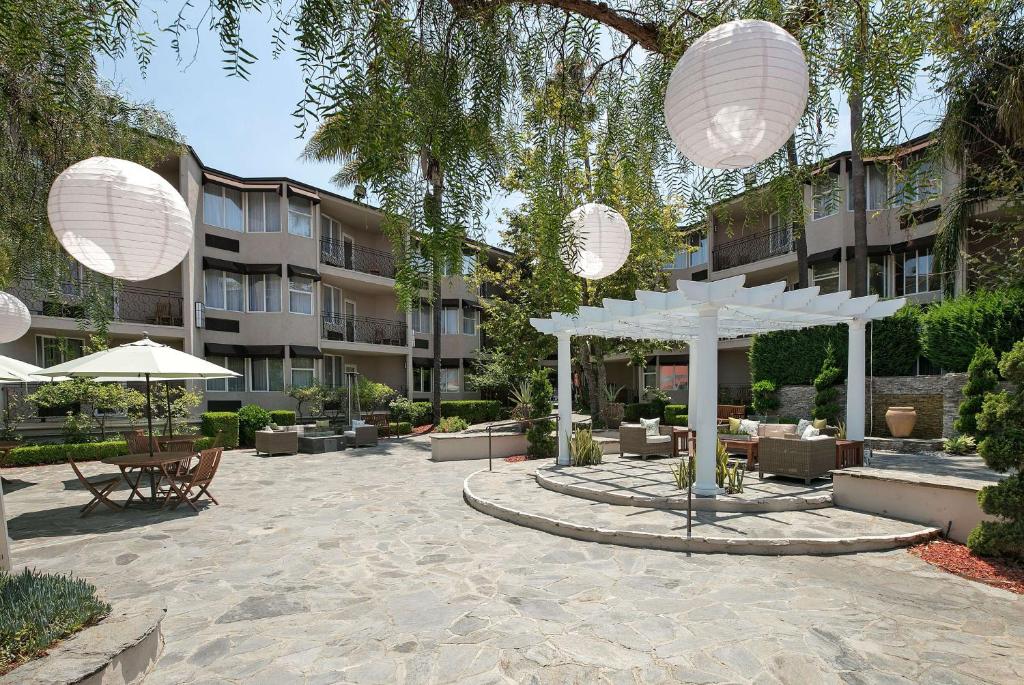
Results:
700 314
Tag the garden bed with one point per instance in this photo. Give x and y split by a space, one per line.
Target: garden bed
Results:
958 559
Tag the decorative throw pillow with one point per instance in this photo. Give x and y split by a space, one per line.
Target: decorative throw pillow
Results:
323 423
801 426
749 427
734 425
819 423
809 432
272 426
651 426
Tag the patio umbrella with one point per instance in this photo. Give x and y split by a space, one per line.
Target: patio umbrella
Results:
140 360
16 371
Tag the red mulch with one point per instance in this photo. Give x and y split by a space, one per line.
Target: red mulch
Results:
956 558
421 430
516 458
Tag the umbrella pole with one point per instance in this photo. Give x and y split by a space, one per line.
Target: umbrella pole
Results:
170 425
149 422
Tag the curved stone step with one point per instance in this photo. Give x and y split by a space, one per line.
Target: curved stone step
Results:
514 496
649 485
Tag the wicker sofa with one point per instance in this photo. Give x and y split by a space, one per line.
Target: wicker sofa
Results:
807 459
277 442
633 439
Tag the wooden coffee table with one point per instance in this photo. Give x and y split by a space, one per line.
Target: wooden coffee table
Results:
747 447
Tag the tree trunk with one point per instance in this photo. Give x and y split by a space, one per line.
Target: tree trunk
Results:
432 214
798 219
435 386
858 188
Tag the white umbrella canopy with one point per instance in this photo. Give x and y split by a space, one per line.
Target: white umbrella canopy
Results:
17 371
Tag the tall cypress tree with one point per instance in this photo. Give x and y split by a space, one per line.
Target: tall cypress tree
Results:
826 394
981 379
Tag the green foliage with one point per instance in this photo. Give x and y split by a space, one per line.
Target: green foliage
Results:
374 396
183 402
894 343
685 474
282 417
960 444
400 428
38 609
634 411
721 464
981 379
583 449
77 427
314 395
104 398
452 424
952 330
826 393
675 415
213 422
251 418
474 411
33 455
794 357
765 398
542 444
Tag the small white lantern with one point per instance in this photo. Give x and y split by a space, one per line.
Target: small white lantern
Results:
603 238
736 94
14 318
119 218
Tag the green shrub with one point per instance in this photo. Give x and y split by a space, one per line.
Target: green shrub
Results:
896 342
952 330
416 413
400 428
961 444
765 398
251 418
204 443
216 421
283 417
542 445
634 411
826 394
39 609
675 415
33 455
981 379
452 424
474 411
794 357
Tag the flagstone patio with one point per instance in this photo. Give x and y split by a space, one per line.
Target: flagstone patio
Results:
366 566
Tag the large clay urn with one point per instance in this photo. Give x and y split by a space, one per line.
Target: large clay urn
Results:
900 421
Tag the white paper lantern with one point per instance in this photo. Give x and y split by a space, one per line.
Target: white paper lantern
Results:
119 218
736 94
603 238
14 318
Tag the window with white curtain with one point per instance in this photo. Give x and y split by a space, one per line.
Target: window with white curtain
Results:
263 212
223 290
300 216
469 321
422 318
450 321
267 374
234 384
264 293
876 187
450 379
826 276
222 207
300 295
825 198
303 372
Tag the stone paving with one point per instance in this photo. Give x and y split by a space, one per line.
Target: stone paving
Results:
367 567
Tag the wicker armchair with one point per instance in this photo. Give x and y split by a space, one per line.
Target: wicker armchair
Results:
361 436
805 459
277 442
633 439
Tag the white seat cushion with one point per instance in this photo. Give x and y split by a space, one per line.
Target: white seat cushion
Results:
350 434
657 439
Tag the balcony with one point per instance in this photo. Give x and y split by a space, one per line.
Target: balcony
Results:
129 304
357 258
364 329
753 248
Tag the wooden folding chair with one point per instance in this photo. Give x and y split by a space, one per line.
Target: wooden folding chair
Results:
138 443
100 489
197 480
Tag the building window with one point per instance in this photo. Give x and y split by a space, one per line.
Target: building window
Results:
468 264
469 321
300 295
51 350
450 380
422 318
450 321
300 216
673 377
650 376
681 261
878 276
223 290
825 198
700 257
222 207
876 188
780 235
334 371
234 384
302 372
267 375
264 212
421 379
923 185
264 293
826 277
914 273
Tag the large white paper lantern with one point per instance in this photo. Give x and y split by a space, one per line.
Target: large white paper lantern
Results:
119 218
603 239
736 94
14 318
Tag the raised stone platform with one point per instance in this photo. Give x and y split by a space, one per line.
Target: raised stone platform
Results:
513 495
904 445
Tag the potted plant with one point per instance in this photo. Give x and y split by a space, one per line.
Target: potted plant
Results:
614 411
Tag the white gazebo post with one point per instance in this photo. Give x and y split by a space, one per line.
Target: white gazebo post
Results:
564 396
855 381
692 403
5 552
707 401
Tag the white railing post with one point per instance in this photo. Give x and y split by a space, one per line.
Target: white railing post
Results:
564 397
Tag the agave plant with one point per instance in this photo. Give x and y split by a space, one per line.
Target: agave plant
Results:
583 449
686 473
520 397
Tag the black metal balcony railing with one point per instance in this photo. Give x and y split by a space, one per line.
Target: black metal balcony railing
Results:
357 258
754 247
364 329
130 304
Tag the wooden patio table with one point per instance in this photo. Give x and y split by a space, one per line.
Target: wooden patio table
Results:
683 440
143 462
748 447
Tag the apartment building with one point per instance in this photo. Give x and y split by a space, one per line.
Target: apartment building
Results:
286 283
906 194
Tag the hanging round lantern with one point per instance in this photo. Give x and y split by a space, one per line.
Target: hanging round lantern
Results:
602 236
119 218
14 318
736 94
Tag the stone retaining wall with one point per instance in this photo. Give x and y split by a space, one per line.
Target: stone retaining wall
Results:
936 398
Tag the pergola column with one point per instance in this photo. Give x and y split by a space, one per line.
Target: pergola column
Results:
564 396
855 381
5 551
707 401
691 386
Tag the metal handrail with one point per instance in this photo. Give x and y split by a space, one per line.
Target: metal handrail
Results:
357 258
754 247
519 422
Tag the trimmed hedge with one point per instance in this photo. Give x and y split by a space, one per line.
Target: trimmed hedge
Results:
635 411
34 455
953 330
283 417
795 357
675 415
473 411
400 428
227 421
